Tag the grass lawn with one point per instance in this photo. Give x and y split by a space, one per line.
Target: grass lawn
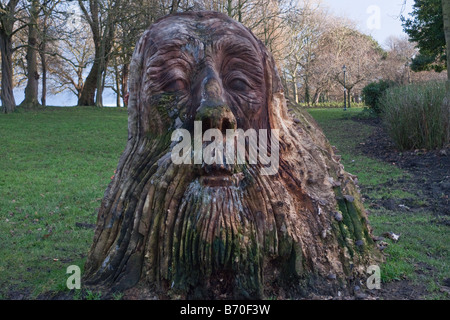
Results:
56 163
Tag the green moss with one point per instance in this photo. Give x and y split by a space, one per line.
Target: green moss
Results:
353 225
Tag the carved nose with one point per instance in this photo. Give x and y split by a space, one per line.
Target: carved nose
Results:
213 112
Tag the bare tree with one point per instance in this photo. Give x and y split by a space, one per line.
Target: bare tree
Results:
306 27
138 17
396 65
101 15
47 27
359 53
68 61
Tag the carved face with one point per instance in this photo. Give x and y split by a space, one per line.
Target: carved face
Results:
210 70
212 67
205 67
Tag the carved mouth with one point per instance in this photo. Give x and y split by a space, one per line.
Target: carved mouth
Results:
215 175
217 169
218 179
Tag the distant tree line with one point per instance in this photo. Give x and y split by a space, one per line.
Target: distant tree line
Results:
85 46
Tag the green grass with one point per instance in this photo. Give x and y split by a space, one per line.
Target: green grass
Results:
422 255
331 104
55 165
346 135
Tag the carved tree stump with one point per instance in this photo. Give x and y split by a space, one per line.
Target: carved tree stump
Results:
209 231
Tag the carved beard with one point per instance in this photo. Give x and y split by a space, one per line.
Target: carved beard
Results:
191 234
219 239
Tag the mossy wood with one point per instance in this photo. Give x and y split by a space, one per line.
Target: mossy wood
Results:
186 231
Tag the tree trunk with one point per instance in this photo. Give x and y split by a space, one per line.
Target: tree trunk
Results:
43 55
99 95
44 79
349 98
124 85
294 89
240 11
174 6
7 95
307 95
31 90
8 19
317 96
87 94
234 231
44 68
117 77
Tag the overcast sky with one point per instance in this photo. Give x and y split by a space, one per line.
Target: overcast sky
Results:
379 18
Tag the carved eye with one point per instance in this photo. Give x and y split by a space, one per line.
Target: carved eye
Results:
175 85
238 85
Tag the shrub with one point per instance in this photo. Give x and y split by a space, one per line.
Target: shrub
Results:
416 117
374 91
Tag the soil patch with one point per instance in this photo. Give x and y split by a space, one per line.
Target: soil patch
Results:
429 172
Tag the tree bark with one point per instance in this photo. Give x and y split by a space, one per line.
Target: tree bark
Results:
317 94
307 94
294 88
124 82
349 97
43 56
87 94
44 78
8 20
7 95
194 231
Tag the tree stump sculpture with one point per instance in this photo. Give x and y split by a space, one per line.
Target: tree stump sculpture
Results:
210 231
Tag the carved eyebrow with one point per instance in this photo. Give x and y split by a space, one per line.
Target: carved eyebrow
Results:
169 55
241 56
168 62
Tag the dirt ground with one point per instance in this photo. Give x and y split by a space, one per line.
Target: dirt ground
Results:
429 173
429 179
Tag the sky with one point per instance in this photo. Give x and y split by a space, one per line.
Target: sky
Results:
379 18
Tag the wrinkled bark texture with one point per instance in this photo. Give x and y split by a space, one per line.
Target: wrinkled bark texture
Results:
7 95
193 231
7 21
